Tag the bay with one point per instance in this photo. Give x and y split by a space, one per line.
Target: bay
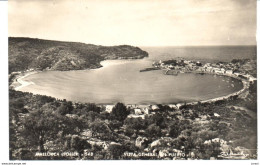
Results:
121 81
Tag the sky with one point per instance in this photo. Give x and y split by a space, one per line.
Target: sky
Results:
136 22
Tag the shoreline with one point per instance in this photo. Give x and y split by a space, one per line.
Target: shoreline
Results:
21 83
245 83
18 82
245 87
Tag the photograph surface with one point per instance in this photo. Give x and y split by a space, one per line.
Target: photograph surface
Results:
132 80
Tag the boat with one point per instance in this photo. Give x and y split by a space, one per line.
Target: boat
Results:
172 72
148 69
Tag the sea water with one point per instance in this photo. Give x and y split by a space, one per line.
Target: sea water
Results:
122 81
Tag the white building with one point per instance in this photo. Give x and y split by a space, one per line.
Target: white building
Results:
154 107
251 78
136 116
186 62
209 69
138 111
202 69
146 111
173 106
229 72
218 71
109 108
179 105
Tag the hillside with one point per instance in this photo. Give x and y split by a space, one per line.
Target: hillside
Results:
29 53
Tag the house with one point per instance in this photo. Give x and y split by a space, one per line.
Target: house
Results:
162 65
186 62
209 69
109 108
229 72
217 71
222 70
251 78
201 69
73 116
216 140
179 105
136 116
138 111
146 111
173 106
140 141
154 107
114 143
171 67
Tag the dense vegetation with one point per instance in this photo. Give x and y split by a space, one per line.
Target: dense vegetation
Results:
42 123
28 53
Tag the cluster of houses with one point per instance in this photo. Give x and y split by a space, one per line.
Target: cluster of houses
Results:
137 110
183 66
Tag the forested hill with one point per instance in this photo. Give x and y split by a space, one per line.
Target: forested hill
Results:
29 53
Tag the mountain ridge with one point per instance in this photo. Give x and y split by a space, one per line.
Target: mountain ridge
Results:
40 54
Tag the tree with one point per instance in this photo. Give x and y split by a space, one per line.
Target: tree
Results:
100 128
70 125
158 119
79 144
120 112
41 125
135 123
153 131
93 107
115 124
223 129
65 108
178 126
129 131
116 150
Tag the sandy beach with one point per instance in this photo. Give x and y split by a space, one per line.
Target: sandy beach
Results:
19 83
107 63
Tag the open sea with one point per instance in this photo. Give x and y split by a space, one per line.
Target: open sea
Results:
121 81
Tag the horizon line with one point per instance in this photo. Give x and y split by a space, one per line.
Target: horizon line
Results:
212 45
